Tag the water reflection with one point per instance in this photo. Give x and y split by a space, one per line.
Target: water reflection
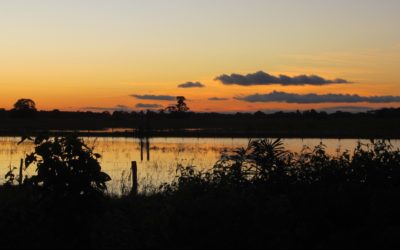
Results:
166 154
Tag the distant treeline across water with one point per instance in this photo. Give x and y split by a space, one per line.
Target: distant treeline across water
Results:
383 123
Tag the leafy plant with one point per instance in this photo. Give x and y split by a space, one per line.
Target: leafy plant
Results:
66 166
262 160
10 176
25 105
266 162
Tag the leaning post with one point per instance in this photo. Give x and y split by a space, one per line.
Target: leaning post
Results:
134 190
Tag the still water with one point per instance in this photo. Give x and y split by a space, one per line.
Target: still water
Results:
165 155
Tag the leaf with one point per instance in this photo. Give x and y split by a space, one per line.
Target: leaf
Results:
24 138
39 139
29 159
9 174
104 177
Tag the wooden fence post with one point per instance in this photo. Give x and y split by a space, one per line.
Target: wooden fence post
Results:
141 148
148 148
20 172
134 190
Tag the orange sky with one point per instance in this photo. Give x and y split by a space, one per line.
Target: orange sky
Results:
71 55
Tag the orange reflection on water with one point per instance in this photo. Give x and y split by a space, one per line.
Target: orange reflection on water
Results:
165 155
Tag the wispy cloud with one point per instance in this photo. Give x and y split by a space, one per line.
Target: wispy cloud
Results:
217 99
155 97
148 106
277 96
191 85
262 78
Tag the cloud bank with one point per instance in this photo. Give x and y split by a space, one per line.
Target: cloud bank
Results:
277 96
191 85
262 78
351 109
155 97
148 106
217 99
116 108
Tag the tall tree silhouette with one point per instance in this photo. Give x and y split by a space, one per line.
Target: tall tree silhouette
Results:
180 106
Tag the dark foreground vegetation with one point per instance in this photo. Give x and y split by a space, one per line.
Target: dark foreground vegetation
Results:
260 197
382 123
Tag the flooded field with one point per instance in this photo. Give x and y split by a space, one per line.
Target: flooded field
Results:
165 155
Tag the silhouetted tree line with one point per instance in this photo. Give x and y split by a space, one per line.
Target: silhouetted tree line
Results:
175 120
386 113
26 108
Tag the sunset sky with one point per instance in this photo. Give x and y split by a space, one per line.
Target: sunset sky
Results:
133 54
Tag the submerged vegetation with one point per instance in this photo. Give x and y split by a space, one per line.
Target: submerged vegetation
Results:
258 197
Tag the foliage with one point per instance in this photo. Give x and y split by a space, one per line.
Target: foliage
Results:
257 197
24 109
180 106
266 162
66 166
382 123
10 176
25 105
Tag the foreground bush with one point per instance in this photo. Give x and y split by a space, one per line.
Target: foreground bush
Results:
66 166
259 197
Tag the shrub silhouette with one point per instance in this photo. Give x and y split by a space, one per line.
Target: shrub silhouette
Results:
66 166
25 105
24 108
266 162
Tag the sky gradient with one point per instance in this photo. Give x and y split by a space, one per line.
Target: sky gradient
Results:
100 54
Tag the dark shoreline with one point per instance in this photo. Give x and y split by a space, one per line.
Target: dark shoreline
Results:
383 123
